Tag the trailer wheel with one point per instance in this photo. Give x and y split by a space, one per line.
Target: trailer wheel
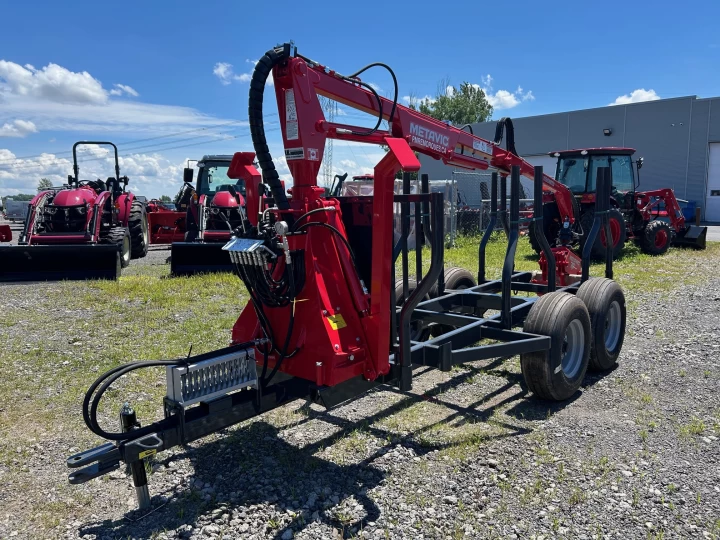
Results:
656 237
418 332
605 303
455 278
618 230
138 225
557 374
121 237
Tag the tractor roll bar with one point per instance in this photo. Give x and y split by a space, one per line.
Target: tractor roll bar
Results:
97 143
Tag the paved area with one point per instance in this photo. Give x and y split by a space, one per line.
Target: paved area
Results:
713 234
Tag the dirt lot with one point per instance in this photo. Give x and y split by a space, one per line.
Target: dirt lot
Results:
465 454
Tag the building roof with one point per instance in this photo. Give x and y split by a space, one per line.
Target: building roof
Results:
594 151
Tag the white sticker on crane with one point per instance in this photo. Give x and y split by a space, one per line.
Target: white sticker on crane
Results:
483 146
313 154
292 133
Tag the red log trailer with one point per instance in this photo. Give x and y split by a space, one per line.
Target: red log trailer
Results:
322 321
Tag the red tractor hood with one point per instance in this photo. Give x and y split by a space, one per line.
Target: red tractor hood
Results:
74 197
225 199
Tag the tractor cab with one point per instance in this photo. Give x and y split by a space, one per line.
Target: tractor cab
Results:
577 169
212 177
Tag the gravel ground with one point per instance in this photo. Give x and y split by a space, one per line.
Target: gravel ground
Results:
468 453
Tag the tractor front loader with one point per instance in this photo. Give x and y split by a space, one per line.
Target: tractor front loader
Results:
653 219
89 229
324 322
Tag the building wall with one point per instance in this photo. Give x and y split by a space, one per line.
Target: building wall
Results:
671 134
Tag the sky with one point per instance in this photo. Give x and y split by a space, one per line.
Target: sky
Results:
167 81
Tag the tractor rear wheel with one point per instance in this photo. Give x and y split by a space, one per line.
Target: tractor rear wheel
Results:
457 279
558 373
550 226
138 225
119 236
605 301
656 238
618 230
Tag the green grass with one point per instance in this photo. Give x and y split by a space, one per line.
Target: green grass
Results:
54 347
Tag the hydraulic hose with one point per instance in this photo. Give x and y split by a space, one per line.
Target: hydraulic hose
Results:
506 123
257 126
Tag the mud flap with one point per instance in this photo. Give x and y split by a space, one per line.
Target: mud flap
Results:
692 236
56 263
189 258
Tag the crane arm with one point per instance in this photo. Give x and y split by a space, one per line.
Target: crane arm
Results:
299 81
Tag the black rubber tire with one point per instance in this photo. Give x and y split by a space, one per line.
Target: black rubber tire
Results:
138 225
552 315
652 235
418 333
599 295
455 278
120 236
598 249
551 227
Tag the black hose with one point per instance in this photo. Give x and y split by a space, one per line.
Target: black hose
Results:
395 84
333 229
257 126
506 123
315 211
90 403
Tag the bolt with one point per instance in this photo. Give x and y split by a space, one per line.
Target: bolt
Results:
352 357
318 364
324 311
357 339
337 309
337 347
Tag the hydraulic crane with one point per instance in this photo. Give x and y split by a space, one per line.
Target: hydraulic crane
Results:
321 322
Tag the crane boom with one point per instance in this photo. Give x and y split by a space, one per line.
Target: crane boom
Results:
298 83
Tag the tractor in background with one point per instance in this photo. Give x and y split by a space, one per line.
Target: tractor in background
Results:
87 229
653 219
211 210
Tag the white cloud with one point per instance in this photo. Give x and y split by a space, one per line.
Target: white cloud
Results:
636 96
282 168
52 83
375 87
503 99
54 98
121 89
348 163
17 128
150 174
226 73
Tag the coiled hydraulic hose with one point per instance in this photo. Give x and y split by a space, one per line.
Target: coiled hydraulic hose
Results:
257 128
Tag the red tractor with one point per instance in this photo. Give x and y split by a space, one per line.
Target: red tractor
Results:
215 208
653 219
89 229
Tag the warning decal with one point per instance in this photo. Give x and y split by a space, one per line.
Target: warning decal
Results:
336 322
294 153
291 123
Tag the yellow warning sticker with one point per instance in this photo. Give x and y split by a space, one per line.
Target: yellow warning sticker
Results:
147 453
336 322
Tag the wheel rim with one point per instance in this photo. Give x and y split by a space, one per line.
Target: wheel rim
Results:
572 348
145 232
126 249
614 231
661 238
613 322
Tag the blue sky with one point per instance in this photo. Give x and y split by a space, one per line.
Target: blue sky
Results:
137 71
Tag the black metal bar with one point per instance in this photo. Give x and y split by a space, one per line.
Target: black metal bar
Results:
511 348
609 251
513 233
418 242
502 209
539 228
590 236
422 288
425 186
489 229
405 231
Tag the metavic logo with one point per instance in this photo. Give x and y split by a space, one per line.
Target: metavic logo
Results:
428 138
